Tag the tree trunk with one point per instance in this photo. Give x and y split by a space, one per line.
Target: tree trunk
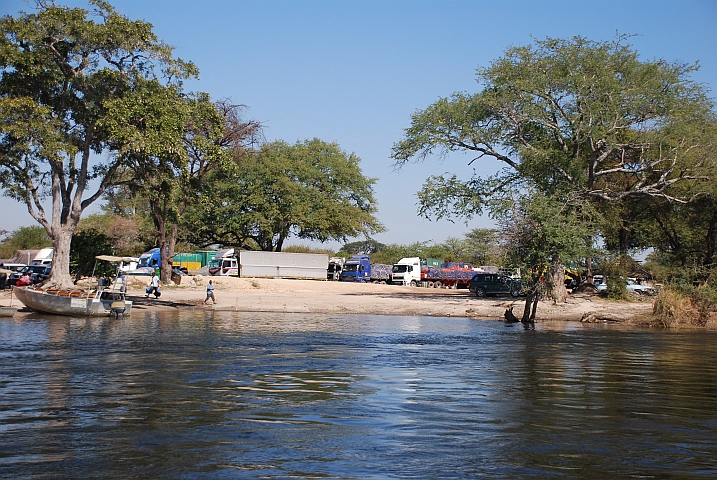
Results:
711 241
534 308
557 276
60 273
589 276
531 306
167 254
623 235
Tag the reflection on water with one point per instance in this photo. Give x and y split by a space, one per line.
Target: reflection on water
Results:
230 395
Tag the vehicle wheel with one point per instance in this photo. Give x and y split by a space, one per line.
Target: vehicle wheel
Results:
437 284
515 292
480 292
413 283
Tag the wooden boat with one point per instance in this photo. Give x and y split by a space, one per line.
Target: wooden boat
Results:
102 301
83 303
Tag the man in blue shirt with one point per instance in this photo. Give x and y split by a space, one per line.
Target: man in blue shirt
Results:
210 293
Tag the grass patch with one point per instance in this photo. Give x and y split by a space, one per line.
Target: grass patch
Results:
674 307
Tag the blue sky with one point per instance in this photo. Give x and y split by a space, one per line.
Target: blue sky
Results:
353 71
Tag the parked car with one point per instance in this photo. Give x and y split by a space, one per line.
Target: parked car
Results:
634 286
38 273
631 285
487 284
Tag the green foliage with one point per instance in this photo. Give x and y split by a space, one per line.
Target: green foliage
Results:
129 235
181 140
25 238
481 246
541 229
85 246
311 190
364 247
573 118
616 272
71 81
306 249
540 234
392 253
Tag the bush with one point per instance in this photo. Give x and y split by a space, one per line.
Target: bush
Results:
616 272
673 308
685 304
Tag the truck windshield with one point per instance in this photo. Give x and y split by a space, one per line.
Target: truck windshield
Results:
143 261
400 268
351 267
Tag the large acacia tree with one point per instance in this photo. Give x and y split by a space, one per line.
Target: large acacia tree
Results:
66 77
577 118
170 178
311 190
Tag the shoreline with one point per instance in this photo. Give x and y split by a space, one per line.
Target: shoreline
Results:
340 298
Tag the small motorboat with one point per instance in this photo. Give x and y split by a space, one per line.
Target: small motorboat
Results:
106 299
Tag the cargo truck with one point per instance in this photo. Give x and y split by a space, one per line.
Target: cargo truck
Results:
259 264
359 268
336 264
414 272
224 263
406 272
43 257
449 274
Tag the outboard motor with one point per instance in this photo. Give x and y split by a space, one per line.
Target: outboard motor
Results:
117 308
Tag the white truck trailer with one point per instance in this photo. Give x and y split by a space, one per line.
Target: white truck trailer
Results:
258 264
254 263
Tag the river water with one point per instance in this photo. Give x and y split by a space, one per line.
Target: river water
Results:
236 395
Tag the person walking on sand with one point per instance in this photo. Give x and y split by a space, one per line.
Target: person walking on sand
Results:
210 293
153 286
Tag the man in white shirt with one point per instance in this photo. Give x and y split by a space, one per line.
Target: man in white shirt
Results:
154 286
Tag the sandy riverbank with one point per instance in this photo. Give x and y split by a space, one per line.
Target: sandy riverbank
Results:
307 296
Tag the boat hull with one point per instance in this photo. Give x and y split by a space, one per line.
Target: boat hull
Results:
74 303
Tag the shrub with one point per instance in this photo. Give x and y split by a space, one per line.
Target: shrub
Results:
616 271
673 308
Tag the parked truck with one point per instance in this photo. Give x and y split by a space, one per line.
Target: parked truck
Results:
406 272
43 257
449 274
359 268
415 272
150 259
224 263
336 265
259 264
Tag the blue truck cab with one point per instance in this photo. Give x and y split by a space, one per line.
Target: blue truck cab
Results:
150 259
357 269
